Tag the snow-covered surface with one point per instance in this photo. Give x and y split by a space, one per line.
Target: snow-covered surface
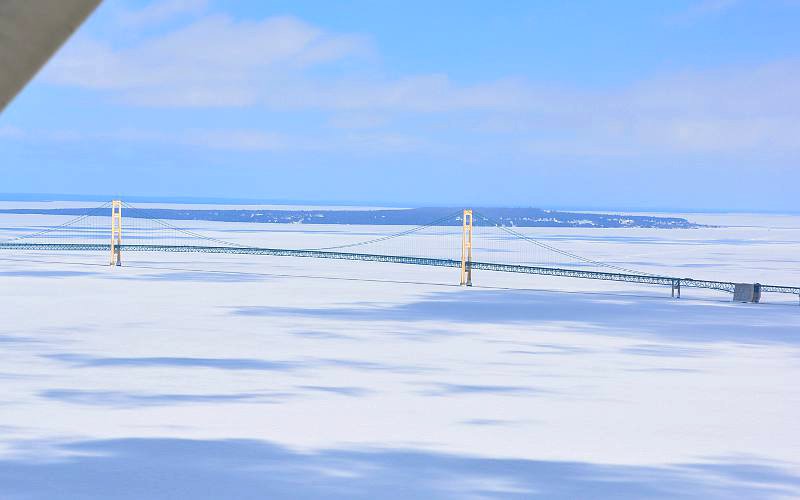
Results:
224 376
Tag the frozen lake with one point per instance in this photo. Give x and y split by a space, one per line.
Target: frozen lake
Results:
225 376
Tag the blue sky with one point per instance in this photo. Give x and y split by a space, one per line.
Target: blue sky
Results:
680 105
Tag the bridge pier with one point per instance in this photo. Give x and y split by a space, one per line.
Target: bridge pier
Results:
676 288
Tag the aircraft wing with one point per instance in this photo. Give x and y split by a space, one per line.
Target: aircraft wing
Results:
30 32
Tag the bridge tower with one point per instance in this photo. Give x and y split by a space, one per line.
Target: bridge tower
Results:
116 233
466 248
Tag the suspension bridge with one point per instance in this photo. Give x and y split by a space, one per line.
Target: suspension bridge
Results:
464 240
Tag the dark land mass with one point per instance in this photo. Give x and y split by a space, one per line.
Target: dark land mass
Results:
511 217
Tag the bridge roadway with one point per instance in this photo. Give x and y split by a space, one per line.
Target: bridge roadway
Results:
421 261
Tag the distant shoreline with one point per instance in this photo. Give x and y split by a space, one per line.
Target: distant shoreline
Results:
445 216
360 204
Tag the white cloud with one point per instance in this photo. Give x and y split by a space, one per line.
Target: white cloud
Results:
748 109
713 6
9 132
702 9
239 140
216 61
420 93
356 120
236 140
161 11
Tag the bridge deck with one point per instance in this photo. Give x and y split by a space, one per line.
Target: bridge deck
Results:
422 261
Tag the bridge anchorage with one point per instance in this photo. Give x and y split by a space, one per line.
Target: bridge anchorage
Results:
486 244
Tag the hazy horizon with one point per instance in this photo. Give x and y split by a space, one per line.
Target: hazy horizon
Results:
190 200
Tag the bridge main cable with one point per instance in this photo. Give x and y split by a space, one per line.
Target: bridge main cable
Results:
551 248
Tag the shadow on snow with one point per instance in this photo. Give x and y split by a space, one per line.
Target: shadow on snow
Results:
172 469
624 316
